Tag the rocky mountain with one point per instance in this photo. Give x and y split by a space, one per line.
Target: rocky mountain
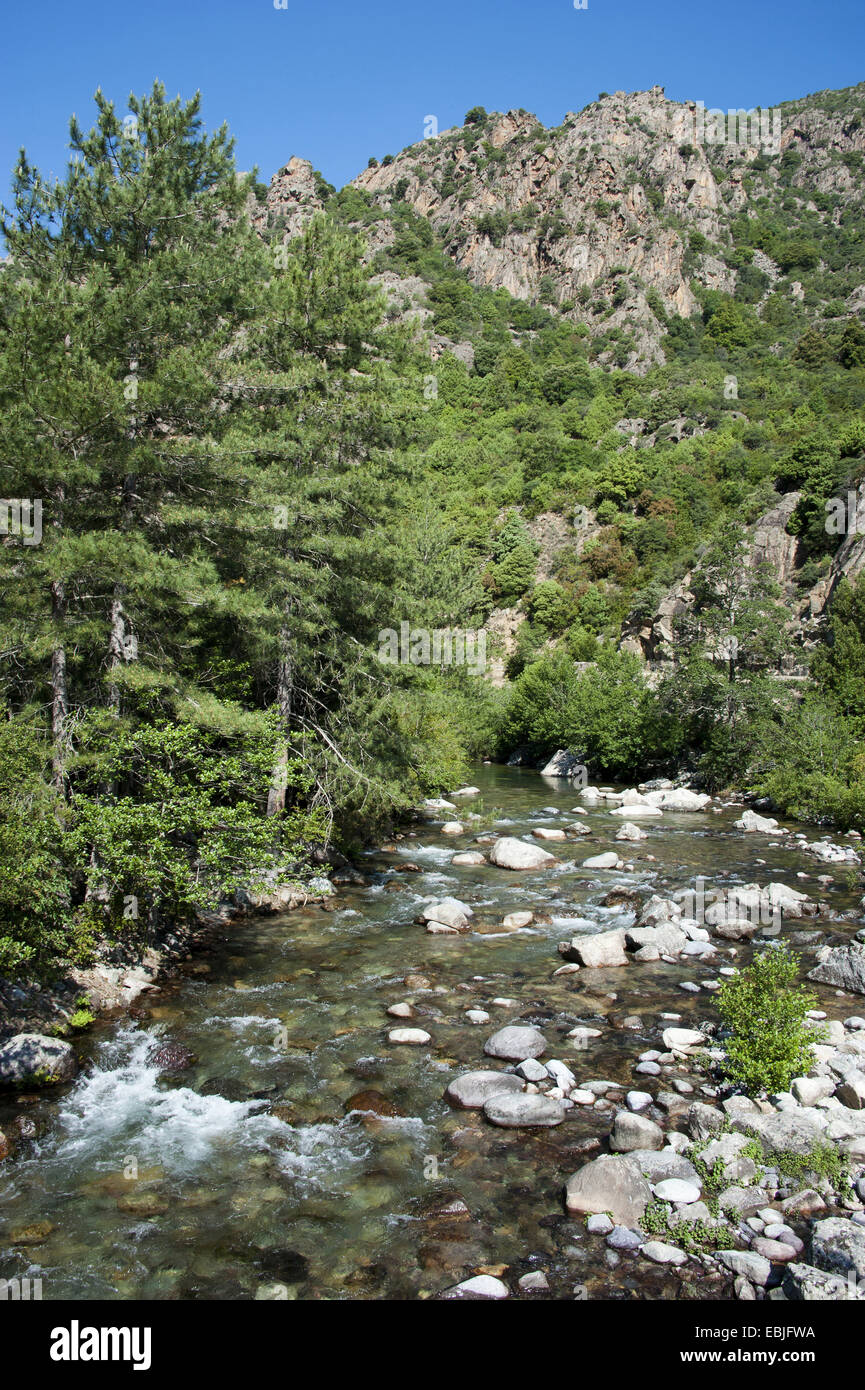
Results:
625 220
615 217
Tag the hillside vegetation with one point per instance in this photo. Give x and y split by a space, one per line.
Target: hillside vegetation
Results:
591 390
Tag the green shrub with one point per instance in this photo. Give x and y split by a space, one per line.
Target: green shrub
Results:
764 1007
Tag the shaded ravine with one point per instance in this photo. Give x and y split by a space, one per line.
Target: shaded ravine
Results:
251 1175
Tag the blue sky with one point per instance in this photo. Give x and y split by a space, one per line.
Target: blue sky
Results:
339 80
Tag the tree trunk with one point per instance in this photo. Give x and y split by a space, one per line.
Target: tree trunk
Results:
122 646
59 692
59 689
116 647
284 691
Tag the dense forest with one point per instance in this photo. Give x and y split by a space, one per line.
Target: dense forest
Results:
246 467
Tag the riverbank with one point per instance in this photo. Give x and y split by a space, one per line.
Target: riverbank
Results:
308 1140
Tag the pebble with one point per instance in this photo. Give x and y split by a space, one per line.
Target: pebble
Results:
477 1016
535 1282
413 1037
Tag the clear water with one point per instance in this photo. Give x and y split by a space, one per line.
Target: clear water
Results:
251 1175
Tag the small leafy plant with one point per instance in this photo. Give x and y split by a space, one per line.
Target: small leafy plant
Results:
765 1009
83 1015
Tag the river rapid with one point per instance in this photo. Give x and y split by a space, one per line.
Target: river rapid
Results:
263 1169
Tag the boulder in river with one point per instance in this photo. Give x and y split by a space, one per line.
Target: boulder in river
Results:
515 1043
608 860
515 1110
434 804
629 831
667 939
511 853
562 764
784 1131
31 1059
841 966
838 1245
612 1183
513 921
448 912
473 1089
411 1037
631 1131
678 799
762 825
469 856
174 1057
481 1286
596 949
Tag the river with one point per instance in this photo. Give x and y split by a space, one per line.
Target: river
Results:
252 1174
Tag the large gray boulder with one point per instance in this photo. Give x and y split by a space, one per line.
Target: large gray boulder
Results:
635 1132
794 1130
473 1089
704 1120
511 853
842 966
755 1268
838 1245
612 1183
596 949
667 939
31 1059
804 1283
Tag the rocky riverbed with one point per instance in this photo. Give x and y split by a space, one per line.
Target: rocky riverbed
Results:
487 1067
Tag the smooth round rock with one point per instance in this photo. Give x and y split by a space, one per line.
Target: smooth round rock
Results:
511 1110
481 1286
677 1190
473 1089
412 1037
663 1254
514 1043
515 920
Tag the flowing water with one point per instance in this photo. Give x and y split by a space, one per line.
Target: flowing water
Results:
256 1172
